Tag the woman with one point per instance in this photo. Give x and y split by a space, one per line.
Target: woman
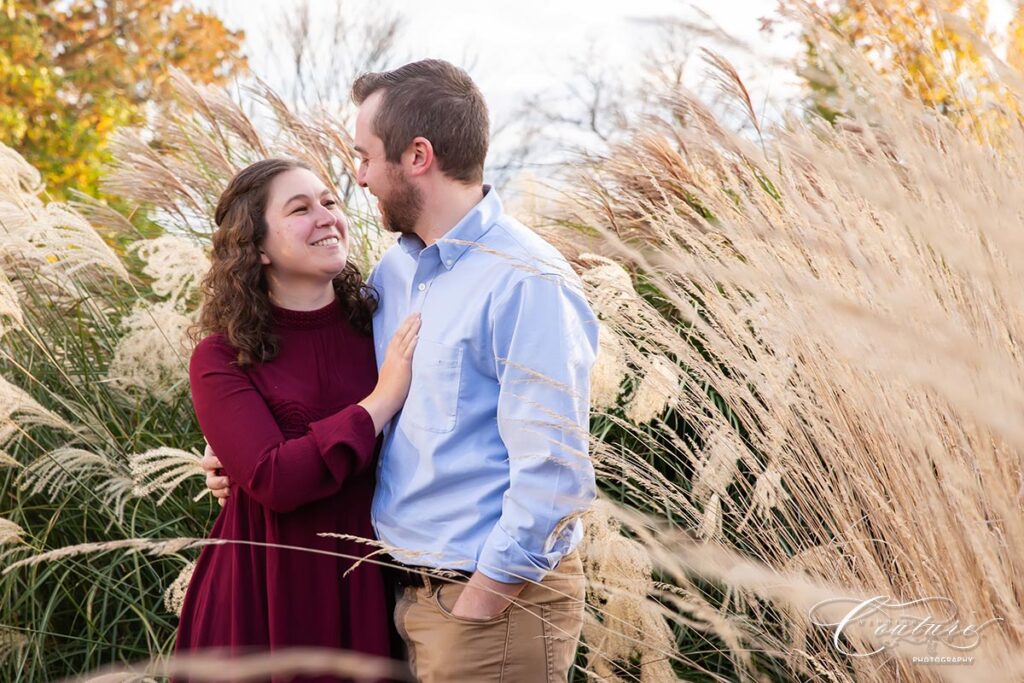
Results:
286 391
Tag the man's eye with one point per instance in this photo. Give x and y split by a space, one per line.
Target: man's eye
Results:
330 202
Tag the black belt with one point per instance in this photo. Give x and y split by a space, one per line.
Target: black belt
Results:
411 576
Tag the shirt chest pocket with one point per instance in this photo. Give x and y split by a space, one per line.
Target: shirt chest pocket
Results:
433 403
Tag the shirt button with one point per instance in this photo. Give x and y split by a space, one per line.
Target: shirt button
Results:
448 262
422 287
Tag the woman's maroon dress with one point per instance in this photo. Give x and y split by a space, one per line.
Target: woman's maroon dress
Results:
301 458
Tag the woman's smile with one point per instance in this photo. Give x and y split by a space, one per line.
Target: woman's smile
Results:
330 241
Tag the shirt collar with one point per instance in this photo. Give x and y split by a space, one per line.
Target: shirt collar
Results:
465 234
411 243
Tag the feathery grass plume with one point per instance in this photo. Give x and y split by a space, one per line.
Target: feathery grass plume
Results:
11 316
658 390
174 596
608 285
609 371
710 526
768 492
826 602
163 469
232 128
20 182
619 589
183 161
9 532
844 303
54 240
64 474
20 412
175 264
718 468
153 354
144 174
51 474
155 547
307 140
12 642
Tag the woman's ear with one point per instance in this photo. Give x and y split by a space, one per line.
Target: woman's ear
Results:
264 259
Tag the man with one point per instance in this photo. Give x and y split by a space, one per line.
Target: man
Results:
485 471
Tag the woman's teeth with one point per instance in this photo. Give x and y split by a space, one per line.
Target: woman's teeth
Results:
326 242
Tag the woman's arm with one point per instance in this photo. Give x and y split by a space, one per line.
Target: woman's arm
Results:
280 473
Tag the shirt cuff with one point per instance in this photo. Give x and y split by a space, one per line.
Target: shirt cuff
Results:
351 427
504 560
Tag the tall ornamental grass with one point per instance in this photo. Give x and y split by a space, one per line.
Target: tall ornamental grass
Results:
817 375
808 387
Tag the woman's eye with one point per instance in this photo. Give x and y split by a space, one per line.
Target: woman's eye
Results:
330 202
301 208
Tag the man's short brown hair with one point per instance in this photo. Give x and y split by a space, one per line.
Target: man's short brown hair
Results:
435 100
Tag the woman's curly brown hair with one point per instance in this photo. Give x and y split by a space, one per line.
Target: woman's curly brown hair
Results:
235 297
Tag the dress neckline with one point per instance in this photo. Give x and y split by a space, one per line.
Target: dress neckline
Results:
307 320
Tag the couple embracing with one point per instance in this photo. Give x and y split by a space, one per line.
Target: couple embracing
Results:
441 407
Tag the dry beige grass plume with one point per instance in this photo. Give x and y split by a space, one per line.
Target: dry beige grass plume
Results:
163 470
856 295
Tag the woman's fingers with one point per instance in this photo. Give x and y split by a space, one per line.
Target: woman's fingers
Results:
209 461
216 483
405 338
410 345
403 329
409 328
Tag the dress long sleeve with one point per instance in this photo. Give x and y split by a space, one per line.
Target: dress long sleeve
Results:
279 473
301 454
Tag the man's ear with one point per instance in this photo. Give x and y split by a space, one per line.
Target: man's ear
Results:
419 156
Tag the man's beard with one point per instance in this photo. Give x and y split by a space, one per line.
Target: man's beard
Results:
402 207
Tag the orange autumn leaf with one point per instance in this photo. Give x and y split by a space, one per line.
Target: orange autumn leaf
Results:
71 73
930 48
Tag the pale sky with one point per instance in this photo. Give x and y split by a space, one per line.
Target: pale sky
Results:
529 48
525 45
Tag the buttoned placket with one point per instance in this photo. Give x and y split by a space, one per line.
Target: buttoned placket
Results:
428 263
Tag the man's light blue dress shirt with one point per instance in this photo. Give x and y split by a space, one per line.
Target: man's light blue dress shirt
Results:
486 465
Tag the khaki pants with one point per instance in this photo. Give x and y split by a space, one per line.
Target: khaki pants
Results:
532 641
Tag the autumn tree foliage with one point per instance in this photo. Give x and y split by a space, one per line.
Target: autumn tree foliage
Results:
73 72
938 49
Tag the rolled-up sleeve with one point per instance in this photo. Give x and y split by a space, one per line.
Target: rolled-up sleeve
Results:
545 342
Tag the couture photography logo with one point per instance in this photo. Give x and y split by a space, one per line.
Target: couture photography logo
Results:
933 623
